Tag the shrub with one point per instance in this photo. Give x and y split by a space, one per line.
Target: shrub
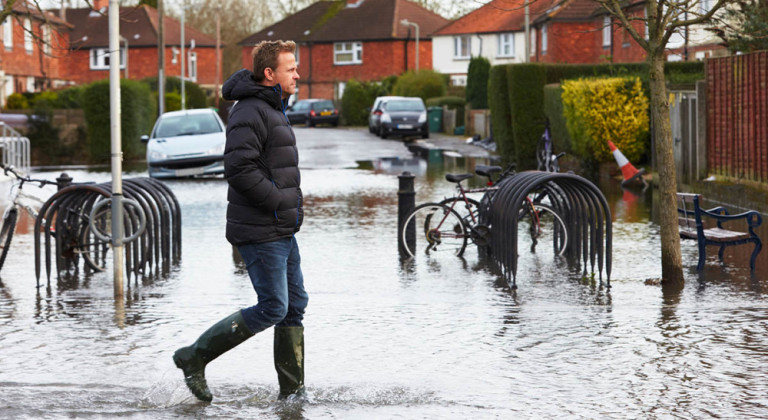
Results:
194 95
357 99
598 110
172 101
43 136
137 116
47 99
501 119
70 98
553 109
424 84
16 101
477 82
526 104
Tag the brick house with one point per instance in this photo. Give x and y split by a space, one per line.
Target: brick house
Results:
495 31
89 58
361 39
33 44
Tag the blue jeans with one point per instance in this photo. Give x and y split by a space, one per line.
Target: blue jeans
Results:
275 271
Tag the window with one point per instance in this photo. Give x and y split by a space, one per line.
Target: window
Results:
296 53
533 43
100 59
46 38
462 47
544 38
8 33
348 53
339 90
192 64
28 35
606 31
506 45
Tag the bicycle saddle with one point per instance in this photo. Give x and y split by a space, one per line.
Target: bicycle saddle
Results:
457 177
486 170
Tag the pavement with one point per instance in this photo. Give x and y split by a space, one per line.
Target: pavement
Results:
450 144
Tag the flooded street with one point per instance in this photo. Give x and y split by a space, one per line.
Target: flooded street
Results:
441 338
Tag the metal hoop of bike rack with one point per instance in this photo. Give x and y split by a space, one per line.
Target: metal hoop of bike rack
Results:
125 201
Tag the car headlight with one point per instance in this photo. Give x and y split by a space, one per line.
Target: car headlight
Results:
423 117
154 155
385 118
218 150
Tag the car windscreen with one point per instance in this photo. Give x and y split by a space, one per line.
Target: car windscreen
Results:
322 105
400 106
184 125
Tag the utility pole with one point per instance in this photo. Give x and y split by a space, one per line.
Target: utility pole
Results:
218 54
116 147
183 56
415 25
160 58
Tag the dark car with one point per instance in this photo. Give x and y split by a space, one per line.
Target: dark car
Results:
403 117
312 112
374 116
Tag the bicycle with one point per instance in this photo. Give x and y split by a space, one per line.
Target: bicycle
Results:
73 231
547 160
443 228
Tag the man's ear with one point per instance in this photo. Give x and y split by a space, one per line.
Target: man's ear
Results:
269 74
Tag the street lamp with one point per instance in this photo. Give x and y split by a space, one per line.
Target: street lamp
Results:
415 25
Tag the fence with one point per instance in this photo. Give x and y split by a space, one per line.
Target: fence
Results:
687 118
15 148
737 116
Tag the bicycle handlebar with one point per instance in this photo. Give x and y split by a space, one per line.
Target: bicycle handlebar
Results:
24 179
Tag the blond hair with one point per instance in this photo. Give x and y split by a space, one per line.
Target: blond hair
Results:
265 55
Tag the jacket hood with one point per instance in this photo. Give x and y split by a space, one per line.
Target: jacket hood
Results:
241 85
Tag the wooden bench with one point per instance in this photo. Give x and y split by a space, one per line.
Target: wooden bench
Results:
693 226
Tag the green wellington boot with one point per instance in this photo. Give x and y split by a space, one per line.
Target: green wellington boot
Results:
215 341
289 360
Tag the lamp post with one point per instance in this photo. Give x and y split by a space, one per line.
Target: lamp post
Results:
183 57
415 25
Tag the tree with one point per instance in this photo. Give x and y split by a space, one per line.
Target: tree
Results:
744 27
664 18
239 18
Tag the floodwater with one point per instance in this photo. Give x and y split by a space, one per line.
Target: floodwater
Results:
442 338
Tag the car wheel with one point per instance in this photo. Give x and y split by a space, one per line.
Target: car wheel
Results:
425 135
310 123
382 133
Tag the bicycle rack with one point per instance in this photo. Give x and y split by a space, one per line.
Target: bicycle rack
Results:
76 217
580 203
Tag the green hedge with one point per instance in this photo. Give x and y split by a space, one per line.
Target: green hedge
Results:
477 82
525 85
501 119
424 84
553 109
357 100
194 95
138 113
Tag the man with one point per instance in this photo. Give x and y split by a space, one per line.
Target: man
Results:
264 212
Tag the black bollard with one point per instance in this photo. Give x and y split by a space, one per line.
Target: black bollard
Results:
63 181
406 201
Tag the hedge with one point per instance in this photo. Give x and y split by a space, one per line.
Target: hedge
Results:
553 109
525 85
501 119
357 100
477 82
194 95
424 84
138 113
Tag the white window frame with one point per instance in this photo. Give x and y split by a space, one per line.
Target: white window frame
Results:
462 47
296 54
98 59
191 66
46 31
341 50
607 31
8 33
544 37
28 44
506 45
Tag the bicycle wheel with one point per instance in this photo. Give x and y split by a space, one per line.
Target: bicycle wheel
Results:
433 228
93 249
544 225
469 210
6 234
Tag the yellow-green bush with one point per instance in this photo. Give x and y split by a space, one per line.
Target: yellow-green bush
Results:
16 101
598 110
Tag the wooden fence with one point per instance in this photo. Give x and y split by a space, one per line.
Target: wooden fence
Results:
737 116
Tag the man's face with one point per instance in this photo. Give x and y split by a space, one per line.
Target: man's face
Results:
286 73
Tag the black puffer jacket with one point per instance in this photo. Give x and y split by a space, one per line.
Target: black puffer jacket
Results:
261 164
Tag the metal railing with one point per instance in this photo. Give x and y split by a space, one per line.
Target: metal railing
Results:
15 149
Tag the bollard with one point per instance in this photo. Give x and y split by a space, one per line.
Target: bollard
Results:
406 201
63 181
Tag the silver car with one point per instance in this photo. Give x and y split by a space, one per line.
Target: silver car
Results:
186 143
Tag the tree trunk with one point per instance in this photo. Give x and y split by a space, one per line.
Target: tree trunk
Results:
671 259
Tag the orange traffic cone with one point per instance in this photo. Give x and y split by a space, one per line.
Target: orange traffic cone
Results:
627 170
